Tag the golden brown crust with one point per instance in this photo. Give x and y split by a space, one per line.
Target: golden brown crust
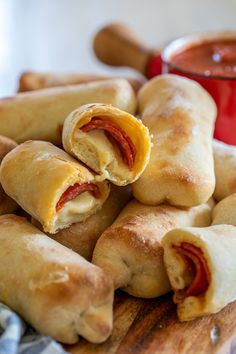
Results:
7 204
58 292
40 115
225 169
30 81
130 249
36 174
180 170
225 211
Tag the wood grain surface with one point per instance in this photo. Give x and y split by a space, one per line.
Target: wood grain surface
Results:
151 326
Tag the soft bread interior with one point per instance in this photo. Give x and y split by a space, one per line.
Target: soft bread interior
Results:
95 150
101 149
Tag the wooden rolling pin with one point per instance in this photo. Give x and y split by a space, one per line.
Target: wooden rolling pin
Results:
117 45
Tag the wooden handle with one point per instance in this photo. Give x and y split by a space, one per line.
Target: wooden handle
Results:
117 45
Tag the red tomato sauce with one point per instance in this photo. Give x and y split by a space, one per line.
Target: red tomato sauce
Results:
216 58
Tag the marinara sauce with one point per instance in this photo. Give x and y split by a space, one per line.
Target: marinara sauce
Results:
215 58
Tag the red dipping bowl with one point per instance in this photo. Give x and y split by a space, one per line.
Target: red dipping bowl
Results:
117 45
222 89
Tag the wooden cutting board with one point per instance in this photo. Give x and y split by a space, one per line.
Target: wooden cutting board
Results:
151 326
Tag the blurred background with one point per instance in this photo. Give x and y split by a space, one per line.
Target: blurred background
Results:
56 35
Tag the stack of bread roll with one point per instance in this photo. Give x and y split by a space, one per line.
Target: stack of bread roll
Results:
112 201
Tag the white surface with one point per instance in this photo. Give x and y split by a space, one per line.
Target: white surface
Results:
56 34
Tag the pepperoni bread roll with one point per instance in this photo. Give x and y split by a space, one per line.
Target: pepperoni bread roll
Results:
201 266
30 81
131 252
81 237
180 115
111 142
40 115
54 289
50 185
225 169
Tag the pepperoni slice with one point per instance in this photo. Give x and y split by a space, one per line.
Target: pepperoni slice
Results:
75 190
195 259
117 134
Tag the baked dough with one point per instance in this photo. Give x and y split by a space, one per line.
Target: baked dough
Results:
207 284
44 181
81 237
7 204
225 211
40 115
225 169
131 252
111 142
180 115
54 289
30 81
6 145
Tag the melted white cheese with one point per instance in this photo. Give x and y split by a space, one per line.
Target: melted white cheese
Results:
110 158
72 209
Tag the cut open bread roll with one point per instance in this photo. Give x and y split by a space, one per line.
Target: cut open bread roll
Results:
54 289
50 185
201 266
81 237
130 249
110 141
